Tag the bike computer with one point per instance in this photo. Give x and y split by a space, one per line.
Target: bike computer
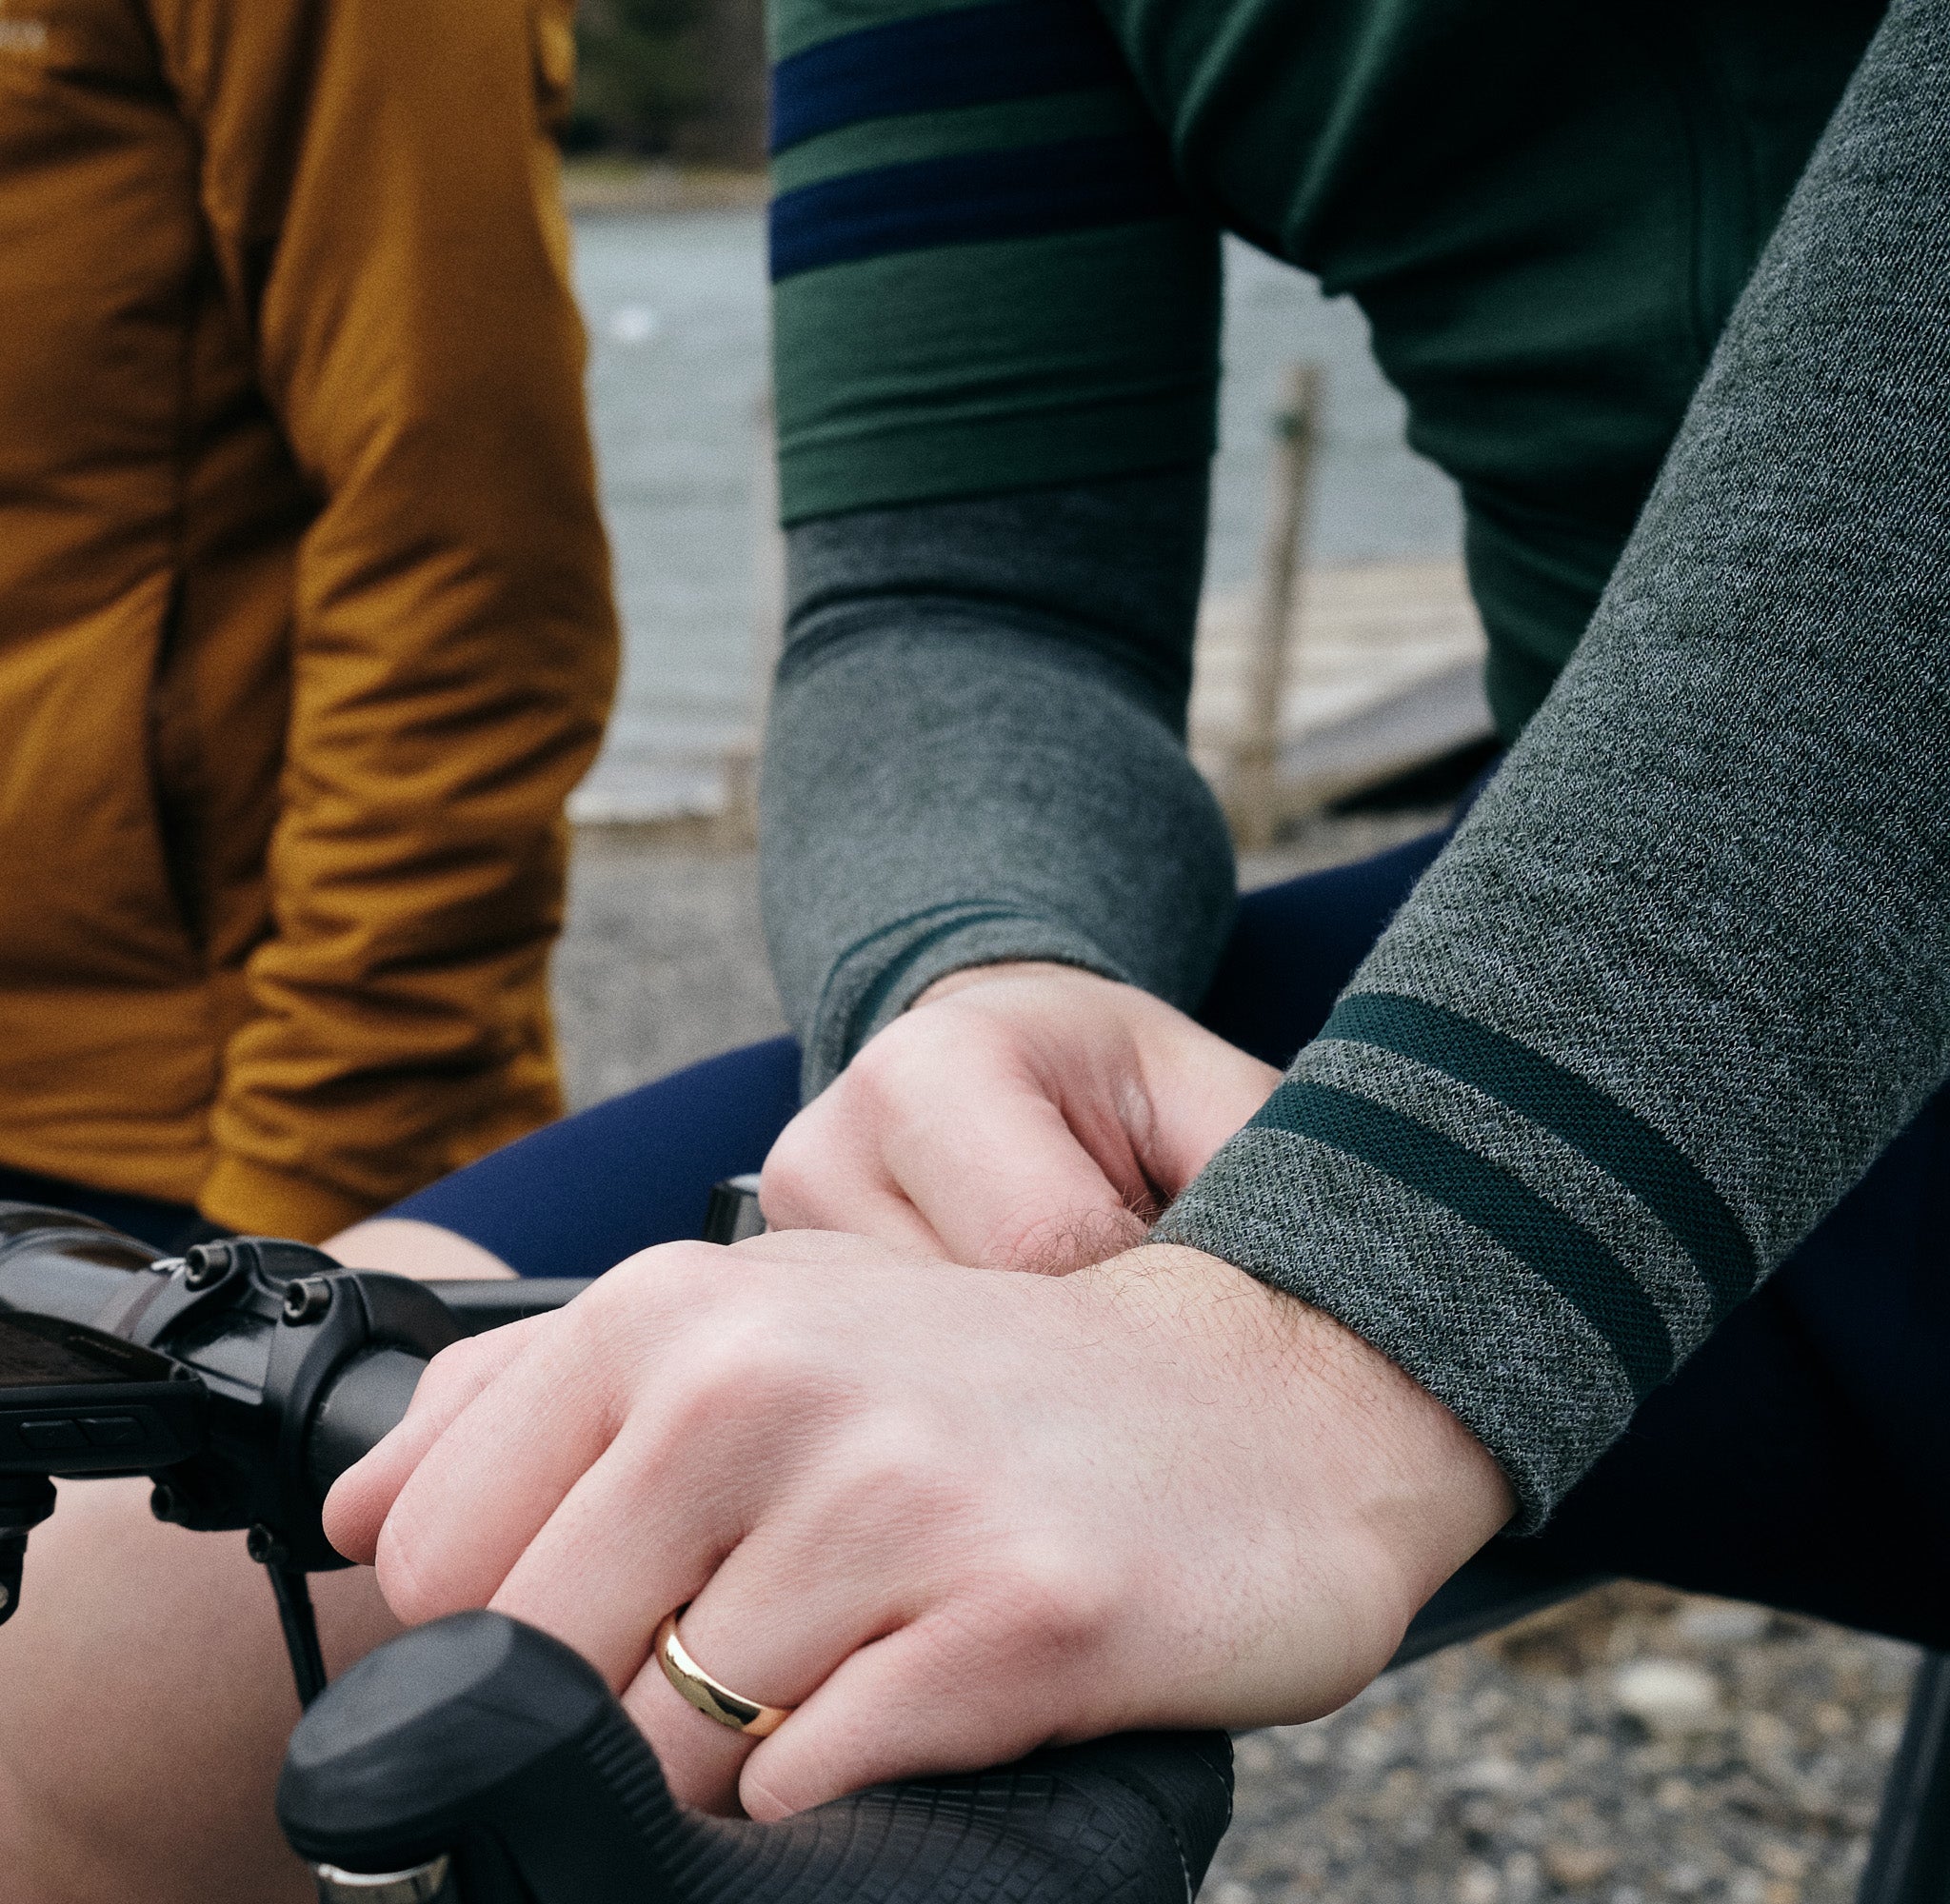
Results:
75 1401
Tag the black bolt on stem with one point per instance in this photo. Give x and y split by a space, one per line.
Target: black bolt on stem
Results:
295 1615
207 1265
306 1298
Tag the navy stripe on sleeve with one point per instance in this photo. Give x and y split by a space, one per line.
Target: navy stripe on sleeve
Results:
1560 1250
971 56
1618 1141
964 198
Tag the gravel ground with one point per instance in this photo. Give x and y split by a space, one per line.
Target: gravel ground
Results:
1634 1746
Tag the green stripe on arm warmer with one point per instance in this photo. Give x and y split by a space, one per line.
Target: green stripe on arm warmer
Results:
985 275
1685 970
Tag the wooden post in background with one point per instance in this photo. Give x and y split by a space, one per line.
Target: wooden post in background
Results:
1252 781
739 821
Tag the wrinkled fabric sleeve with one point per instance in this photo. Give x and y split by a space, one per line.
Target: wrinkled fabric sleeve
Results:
995 324
976 752
1685 970
380 189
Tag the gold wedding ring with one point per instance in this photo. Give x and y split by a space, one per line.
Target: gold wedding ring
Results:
710 1697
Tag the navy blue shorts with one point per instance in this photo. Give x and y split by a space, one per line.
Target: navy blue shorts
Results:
1800 1459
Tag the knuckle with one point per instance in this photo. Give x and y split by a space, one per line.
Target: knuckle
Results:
789 1184
906 1057
1059 1603
646 1284
896 1466
749 1351
876 1082
678 1265
454 1371
1051 1614
594 1331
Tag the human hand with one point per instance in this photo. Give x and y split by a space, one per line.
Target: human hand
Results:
947 1516
1018 1117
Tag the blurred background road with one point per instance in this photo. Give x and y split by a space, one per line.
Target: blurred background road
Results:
676 310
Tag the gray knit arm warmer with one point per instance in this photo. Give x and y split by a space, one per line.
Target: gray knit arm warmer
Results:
1685 971
976 752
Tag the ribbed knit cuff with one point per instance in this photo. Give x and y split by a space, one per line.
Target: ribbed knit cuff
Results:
1533 1253
878 977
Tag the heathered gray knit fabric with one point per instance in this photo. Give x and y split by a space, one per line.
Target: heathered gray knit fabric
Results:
976 752
1698 930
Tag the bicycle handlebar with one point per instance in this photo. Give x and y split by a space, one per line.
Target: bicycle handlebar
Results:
480 1751
477 1761
495 1763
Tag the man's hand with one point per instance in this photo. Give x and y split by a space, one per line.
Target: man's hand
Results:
949 1514
1018 1117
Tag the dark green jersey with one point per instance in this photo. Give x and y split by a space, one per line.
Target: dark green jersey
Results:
1684 970
994 241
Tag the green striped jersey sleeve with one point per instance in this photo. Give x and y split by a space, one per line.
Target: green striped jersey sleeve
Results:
985 277
1682 974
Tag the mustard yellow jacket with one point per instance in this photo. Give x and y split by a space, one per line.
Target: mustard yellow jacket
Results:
305 622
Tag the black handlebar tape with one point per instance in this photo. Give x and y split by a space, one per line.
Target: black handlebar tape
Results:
483 1739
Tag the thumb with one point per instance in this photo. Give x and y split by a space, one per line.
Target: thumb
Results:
1201 1091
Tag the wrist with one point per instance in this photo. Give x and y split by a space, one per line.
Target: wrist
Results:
1413 1493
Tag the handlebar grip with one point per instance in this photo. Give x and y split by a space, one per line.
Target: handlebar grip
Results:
482 1739
365 1402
